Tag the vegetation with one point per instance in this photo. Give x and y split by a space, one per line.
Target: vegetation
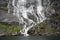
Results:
10 28
18 28
2 27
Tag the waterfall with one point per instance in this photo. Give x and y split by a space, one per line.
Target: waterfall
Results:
29 13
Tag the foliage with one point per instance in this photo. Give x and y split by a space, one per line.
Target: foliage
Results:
2 27
14 29
10 27
18 28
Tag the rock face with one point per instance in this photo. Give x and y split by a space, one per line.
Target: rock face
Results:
4 16
52 25
52 12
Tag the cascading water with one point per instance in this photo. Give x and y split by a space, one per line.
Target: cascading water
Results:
29 13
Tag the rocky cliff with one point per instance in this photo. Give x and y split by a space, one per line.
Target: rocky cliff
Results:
9 24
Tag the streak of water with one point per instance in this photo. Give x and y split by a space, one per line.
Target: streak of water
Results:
27 16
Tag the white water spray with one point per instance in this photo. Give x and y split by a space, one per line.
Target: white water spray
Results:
27 16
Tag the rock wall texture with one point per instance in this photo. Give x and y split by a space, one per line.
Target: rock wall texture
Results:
48 27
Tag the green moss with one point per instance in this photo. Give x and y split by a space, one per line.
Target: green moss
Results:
18 28
2 27
10 28
4 23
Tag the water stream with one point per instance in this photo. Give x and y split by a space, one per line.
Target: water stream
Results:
29 13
